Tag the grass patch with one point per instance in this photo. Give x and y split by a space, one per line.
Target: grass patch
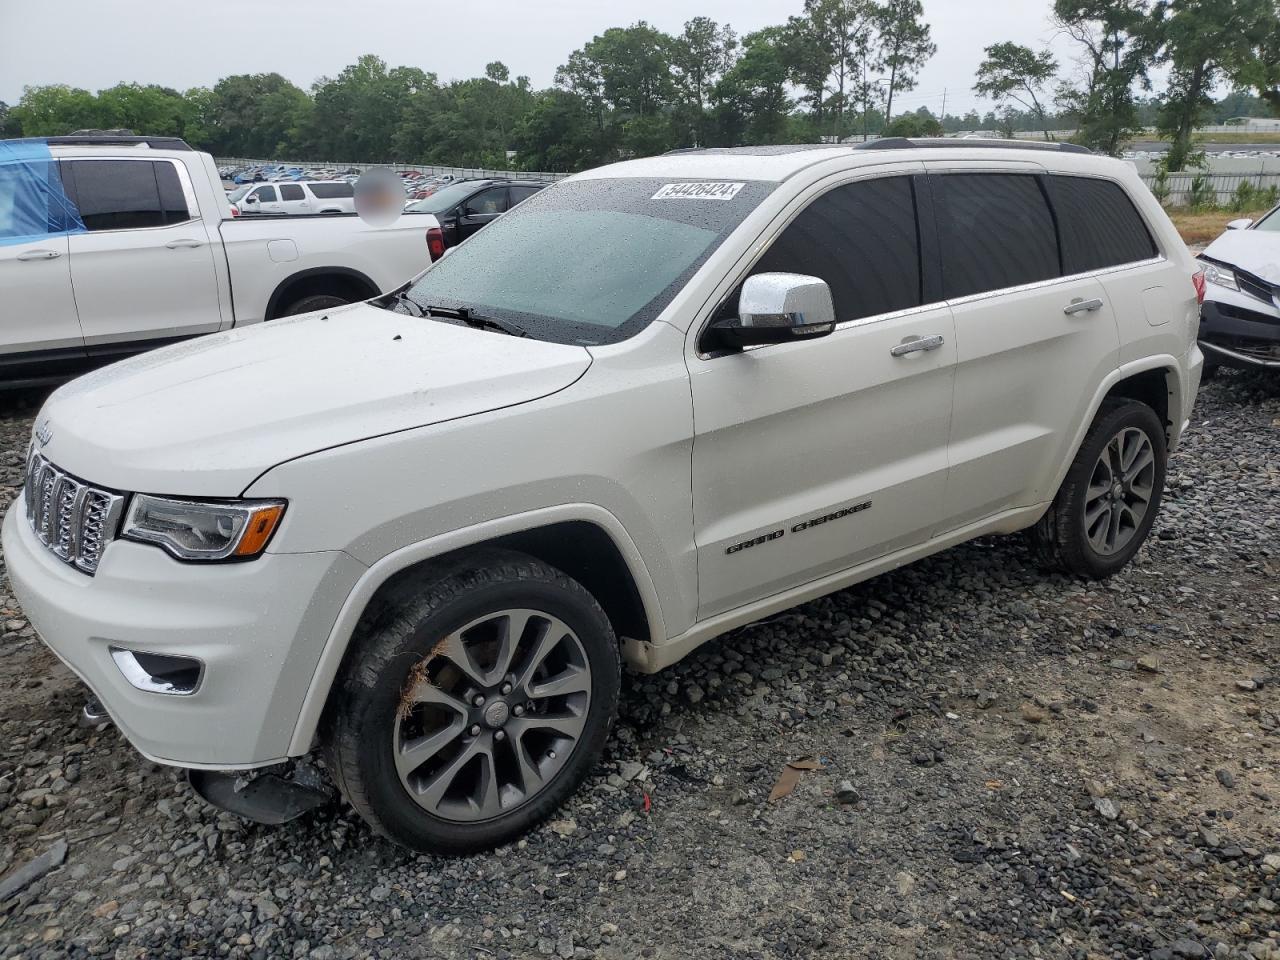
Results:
1236 138
1202 226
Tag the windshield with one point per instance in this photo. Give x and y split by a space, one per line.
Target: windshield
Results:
1271 222
589 261
444 198
235 195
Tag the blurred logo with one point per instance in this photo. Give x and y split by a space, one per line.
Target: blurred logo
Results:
44 433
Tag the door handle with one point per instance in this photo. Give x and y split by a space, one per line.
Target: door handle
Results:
39 255
184 242
919 345
1079 305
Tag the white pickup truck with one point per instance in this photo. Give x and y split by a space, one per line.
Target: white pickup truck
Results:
113 245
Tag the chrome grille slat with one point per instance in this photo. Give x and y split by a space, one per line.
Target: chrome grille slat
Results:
70 517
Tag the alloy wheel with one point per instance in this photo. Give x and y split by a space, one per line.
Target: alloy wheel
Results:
1120 491
492 715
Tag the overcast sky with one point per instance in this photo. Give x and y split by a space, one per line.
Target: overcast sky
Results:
98 43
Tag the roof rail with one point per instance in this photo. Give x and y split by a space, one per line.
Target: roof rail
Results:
918 143
108 140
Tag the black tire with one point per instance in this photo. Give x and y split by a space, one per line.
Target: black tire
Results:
1060 540
317 301
393 648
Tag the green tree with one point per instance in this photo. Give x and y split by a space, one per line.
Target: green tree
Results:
922 123
1011 71
358 113
146 110
1119 40
56 110
701 55
1260 69
751 102
1203 38
559 132
9 125
624 73
904 44
844 29
256 115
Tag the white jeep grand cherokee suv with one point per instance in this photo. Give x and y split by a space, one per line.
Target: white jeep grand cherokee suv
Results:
659 400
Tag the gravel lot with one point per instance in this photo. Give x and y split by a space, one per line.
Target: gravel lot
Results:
1011 765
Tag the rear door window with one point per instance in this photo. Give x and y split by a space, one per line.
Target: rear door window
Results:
862 239
522 193
291 191
1099 225
332 191
125 194
996 231
486 203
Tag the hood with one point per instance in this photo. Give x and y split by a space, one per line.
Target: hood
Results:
206 417
1257 251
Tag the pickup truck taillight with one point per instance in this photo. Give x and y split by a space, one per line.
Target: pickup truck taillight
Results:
435 243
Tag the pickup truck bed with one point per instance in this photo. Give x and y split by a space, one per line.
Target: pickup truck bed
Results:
145 252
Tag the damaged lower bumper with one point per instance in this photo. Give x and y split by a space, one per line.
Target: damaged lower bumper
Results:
1237 336
271 795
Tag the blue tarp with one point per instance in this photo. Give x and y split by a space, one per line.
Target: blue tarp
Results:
33 205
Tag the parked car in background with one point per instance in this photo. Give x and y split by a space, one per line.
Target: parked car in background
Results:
302 197
1240 319
464 207
658 401
148 254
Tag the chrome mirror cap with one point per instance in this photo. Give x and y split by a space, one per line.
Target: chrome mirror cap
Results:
778 308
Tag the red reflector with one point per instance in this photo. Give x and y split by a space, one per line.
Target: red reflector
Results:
435 243
1197 279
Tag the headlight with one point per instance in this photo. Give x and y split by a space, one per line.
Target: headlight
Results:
1222 276
204 530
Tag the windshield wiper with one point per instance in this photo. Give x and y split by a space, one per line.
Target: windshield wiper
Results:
477 320
403 303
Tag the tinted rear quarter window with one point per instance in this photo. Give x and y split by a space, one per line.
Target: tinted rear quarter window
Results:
1099 225
172 202
522 193
862 240
332 191
996 231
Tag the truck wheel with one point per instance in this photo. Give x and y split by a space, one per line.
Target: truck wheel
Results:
1109 499
470 711
318 301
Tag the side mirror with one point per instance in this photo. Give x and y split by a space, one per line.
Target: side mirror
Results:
778 308
1244 223
250 201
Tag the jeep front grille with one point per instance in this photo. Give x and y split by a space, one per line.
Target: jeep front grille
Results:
74 520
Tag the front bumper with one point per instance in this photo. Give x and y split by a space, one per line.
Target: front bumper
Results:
1240 331
258 628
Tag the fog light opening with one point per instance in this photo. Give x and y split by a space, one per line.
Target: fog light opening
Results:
159 673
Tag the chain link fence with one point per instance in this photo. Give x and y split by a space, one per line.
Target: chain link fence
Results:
478 173
1180 189
1190 188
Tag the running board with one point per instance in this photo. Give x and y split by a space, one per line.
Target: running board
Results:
274 796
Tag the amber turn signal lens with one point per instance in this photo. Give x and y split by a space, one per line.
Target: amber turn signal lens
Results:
261 525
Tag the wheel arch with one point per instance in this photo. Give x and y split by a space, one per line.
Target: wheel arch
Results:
584 540
1140 380
339 280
